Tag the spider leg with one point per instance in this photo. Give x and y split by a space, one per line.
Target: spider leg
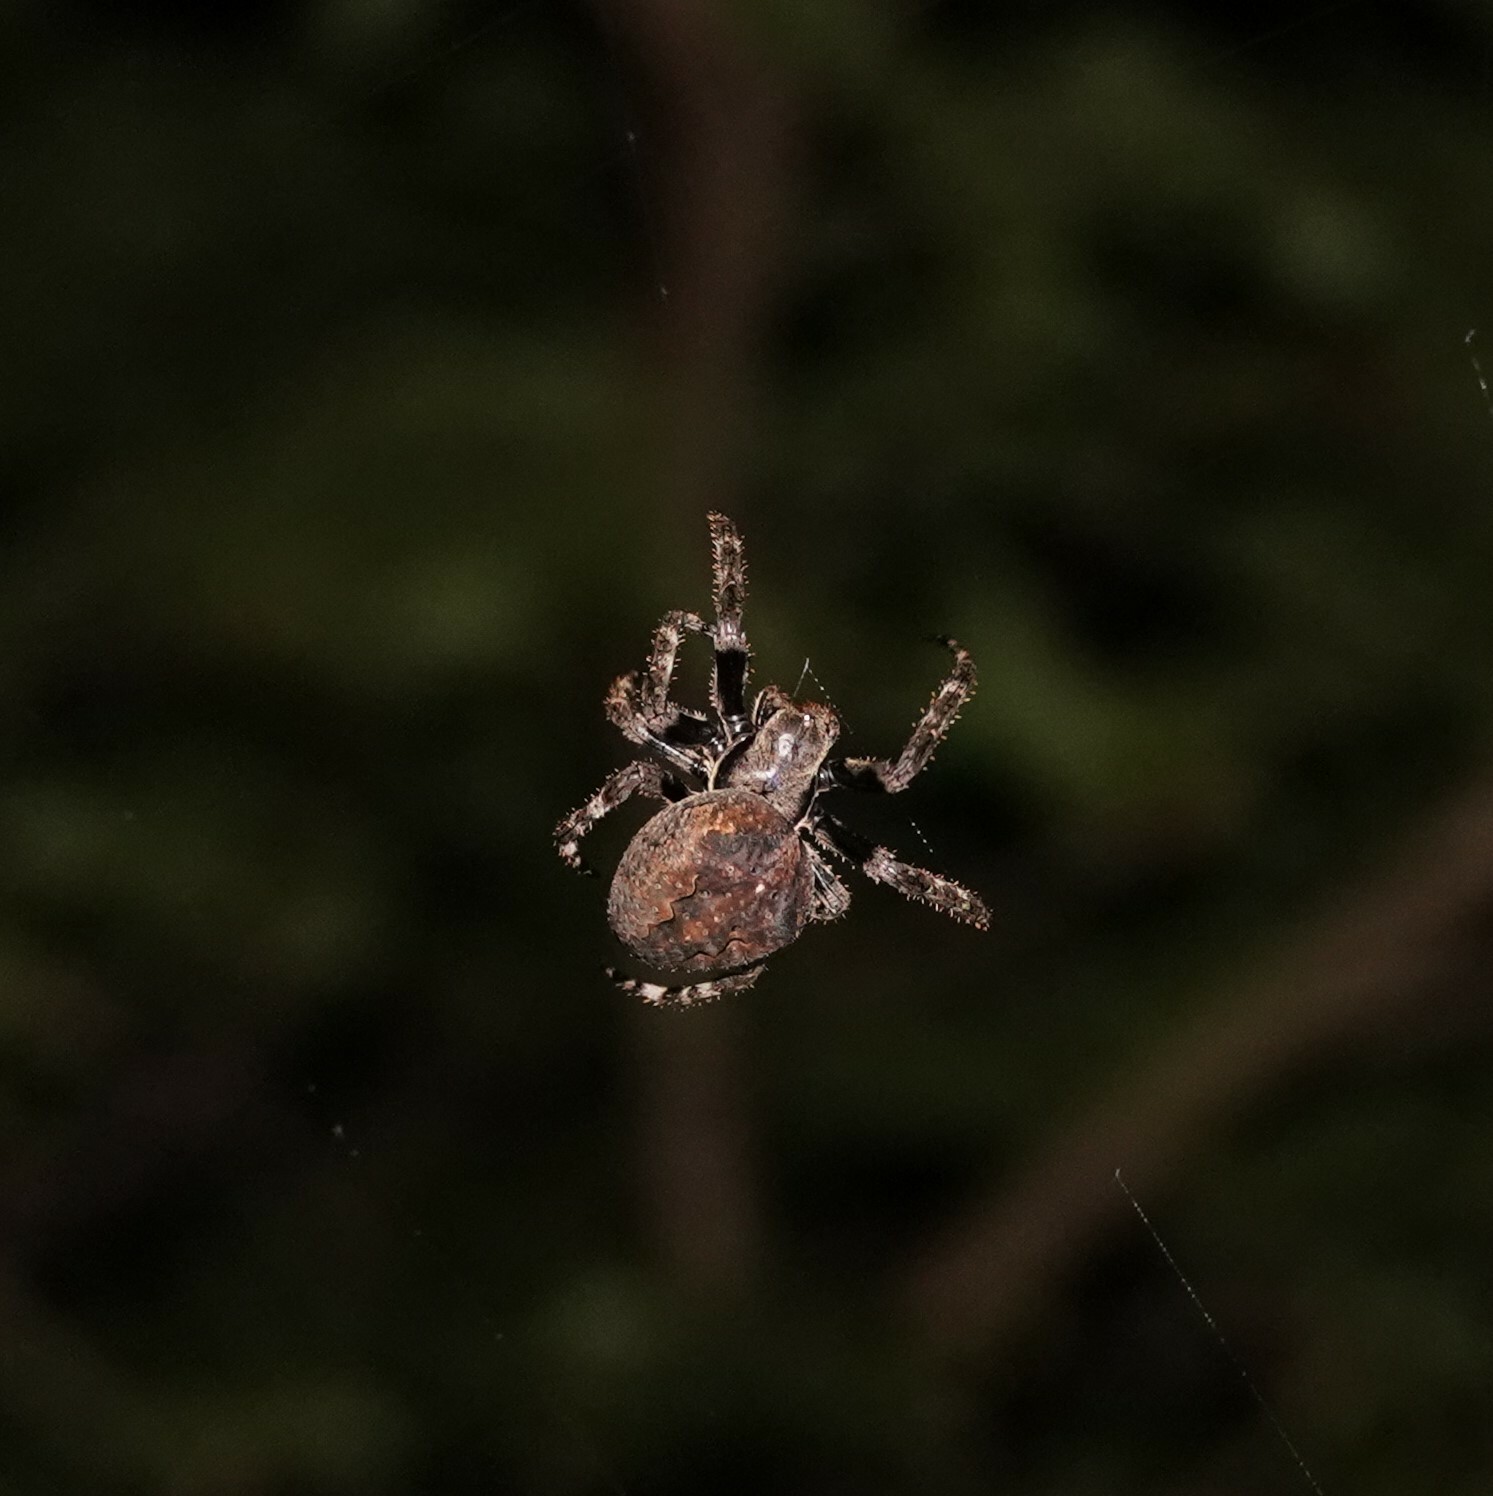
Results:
893 775
831 898
733 655
691 995
882 866
637 778
654 688
638 703
687 742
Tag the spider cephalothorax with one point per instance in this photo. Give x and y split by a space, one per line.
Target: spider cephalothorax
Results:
734 866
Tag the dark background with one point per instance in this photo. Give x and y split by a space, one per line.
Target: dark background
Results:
369 370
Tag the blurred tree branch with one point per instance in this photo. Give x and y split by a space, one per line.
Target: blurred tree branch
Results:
724 170
1363 960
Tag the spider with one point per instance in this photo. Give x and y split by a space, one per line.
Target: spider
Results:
734 866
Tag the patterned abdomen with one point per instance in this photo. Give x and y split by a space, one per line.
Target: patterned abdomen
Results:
716 880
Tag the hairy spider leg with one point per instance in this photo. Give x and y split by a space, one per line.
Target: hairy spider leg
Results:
637 778
691 995
625 713
831 898
912 882
653 691
638 703
892 776
733 655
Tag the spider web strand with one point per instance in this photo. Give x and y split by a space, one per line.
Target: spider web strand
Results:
1234 1361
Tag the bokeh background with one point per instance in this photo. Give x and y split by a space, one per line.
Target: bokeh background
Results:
370 368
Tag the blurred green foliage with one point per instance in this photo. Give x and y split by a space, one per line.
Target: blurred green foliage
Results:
333 490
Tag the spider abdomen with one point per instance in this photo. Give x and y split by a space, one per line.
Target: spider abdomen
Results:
715 880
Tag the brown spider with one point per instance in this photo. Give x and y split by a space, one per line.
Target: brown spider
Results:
733 867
